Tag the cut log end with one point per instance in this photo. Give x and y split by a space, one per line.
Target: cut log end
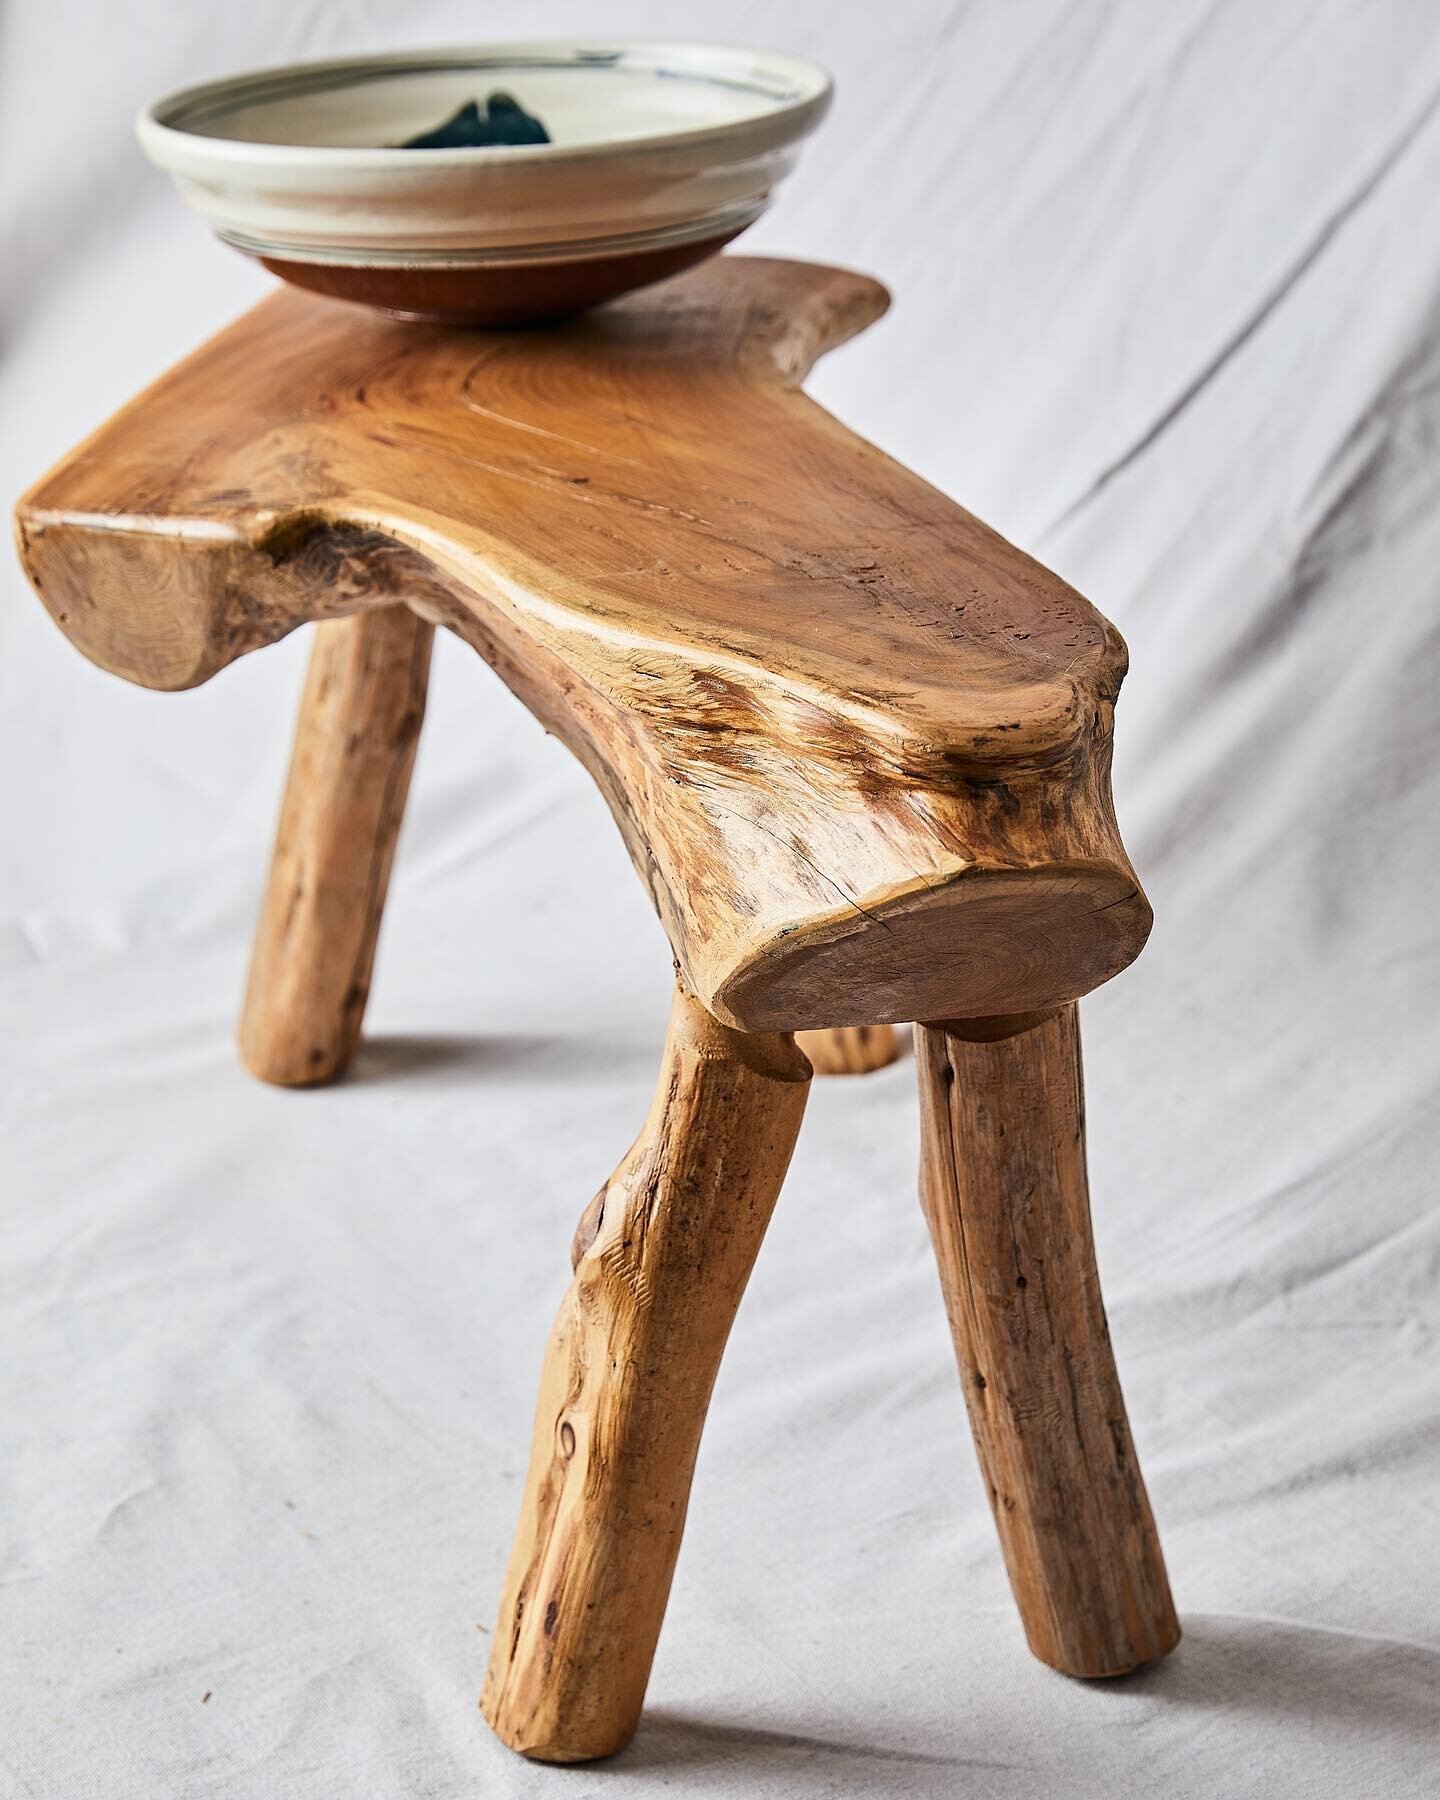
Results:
986 942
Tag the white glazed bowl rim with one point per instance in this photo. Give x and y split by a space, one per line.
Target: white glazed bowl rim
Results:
165 137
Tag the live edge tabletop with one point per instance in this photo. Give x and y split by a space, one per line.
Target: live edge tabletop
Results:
859 749
822 700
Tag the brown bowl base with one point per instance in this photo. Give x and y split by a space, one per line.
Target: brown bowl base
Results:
495 293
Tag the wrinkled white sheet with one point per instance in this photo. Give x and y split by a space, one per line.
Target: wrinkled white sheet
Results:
1167 289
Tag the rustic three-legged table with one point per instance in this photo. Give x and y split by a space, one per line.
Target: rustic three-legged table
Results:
859 749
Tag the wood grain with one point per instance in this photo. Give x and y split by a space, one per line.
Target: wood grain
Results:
355 744
1004 1187
661 1259
851 1049
859 750
858 745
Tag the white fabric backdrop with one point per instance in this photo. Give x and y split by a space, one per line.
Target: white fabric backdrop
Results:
1167 291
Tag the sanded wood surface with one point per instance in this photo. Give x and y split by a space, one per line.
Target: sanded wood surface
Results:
858 744
850 1049
859 749
1003 1183
661 1258
355 743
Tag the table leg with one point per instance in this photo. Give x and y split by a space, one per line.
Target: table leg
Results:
1003 1183
850 1049
661 1258
355 746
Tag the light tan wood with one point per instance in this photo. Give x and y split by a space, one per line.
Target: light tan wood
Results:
858 745
851 1049
859 750
355 744
1004 1186
661 1259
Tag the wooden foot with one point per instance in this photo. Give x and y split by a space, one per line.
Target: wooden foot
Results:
1003 1184
354 749
661 1259
850 1049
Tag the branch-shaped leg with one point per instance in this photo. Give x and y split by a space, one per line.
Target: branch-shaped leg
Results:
1003 1184
850 1049
354 749
661 1259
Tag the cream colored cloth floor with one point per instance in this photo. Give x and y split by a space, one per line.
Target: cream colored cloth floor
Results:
1167 288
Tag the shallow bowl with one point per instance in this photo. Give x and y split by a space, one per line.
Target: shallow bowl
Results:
659 153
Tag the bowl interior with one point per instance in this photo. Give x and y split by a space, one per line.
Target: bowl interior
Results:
582 96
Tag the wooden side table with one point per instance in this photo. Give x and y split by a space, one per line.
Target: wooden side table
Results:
859 749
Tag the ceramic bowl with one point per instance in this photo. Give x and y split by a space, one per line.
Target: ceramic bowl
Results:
659 153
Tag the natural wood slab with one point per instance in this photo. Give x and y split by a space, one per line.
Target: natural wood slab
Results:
850 1049
858 745
360 719
1003 1183
859 749
661 1259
